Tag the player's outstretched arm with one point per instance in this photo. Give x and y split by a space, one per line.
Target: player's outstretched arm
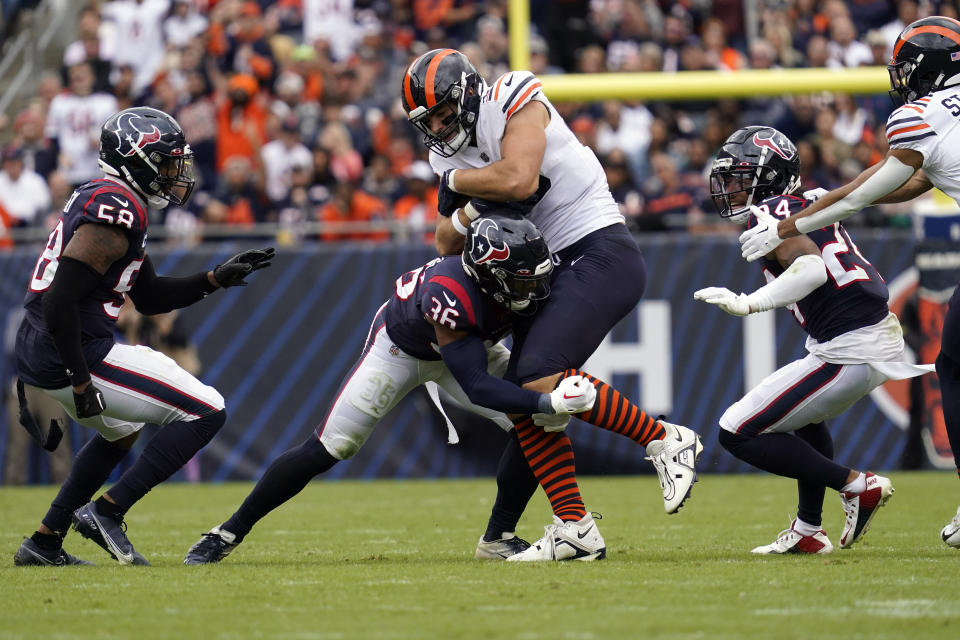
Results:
88 255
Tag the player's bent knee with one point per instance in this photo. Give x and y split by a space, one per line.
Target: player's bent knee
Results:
545 384
208 426
732 441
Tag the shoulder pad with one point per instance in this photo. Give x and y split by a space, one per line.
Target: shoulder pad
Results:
907 123
513 90
452 294
110 203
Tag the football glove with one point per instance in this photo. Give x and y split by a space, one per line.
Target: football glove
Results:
89 402
761 239
736 304
815 194
551 421
232 272
449 200
574 394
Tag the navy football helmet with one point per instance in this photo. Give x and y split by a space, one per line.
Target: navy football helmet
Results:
753 164
509 259
146 148
442 77
926 58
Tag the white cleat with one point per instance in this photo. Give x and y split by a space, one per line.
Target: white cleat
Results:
566 541
862 507
790 541
501 549
675 459
951 533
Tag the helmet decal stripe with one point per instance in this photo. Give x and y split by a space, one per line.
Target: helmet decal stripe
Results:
432 74
408 92
940 31
769 143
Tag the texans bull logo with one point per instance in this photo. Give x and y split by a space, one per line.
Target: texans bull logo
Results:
785 151
134 135
484 249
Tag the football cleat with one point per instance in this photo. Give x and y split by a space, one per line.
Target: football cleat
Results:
30 555
109 533
861 507
579 540
791 541
951 533
675 458
214 546
507 545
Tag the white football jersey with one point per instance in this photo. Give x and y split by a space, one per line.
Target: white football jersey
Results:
575 199
74 122
931 126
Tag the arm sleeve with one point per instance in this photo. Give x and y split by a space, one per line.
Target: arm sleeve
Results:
153 294
799 280
891 176
73 281
467 360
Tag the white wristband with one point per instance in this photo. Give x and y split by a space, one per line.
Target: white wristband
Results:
457 225
471 211
450 180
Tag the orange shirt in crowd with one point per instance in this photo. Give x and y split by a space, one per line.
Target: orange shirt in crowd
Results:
363 207
411 204
6 223
232 135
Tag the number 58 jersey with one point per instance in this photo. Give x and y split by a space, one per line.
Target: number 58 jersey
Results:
105 202
931 126
854 295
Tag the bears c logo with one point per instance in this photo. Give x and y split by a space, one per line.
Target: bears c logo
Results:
133 134
483 249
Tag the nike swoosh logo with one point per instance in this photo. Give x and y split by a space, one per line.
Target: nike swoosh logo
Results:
575 260
566 397
584 534
508 81
452 302
122 558
123 203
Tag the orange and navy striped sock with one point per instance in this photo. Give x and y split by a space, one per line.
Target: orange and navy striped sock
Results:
613 412
550 456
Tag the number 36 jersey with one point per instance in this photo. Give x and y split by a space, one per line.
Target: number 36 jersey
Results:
931 126
104 202
442 291
854 295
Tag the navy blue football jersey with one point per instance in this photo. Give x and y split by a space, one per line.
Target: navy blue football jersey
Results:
442 291
98 202
854 295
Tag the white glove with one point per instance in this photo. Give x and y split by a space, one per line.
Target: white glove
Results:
815 194
551 421
573 395
761 239
736 304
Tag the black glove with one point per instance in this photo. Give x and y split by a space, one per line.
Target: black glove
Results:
232 272
449 200
90 402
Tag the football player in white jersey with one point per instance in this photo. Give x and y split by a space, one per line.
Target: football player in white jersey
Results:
505 142
924 138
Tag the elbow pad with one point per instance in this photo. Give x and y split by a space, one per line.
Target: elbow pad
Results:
888 178
799 280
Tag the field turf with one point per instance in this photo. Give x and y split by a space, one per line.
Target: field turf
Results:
394 560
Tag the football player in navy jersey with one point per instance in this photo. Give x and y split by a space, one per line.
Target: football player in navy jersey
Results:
854 343
95 256
924 153
506 142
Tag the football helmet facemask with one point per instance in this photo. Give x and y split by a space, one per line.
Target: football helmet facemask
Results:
146 148
753 164
926 58
439 79
506 255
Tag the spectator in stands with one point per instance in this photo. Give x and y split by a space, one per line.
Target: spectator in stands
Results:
241 121
247 50
908 11
418 208
667 202
818 53
351 205
137 37
39 153
23 192
621 184
197 115
332 25
345 163
625 128
280 156
719 54
844 47
73 124
88 47
183 24
379 181
236 200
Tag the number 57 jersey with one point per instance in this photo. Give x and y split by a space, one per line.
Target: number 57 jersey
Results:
105 202
854 295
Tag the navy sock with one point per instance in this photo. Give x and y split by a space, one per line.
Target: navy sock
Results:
516 484
948 371
168 451
91 468
784 454
284 478
810 494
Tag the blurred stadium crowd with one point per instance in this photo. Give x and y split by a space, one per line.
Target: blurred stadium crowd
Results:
292 106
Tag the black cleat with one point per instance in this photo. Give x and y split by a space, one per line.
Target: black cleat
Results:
214 546
30 555
109 533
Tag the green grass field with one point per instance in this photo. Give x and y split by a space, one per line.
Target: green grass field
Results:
394 560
